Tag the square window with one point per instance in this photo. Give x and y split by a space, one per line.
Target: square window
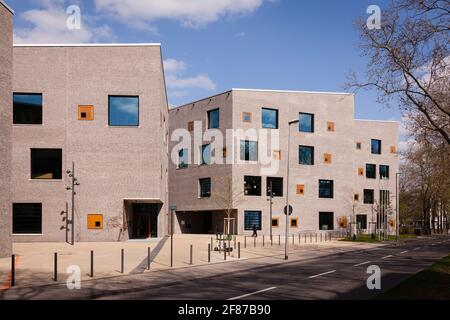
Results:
27 108
269 118
393 149
27 218
356 197
368 196
191 126
94 221
205 187
206 154
213 119
277 154
327 158
326 221
277 186
252 186
361 221
306 122
183 158
275 222
123 111
249 150
294 222
376 146
252 219
358 145
371 171
46 164
246 117
306 155
326 188
86 113
301 189
384 172
330 126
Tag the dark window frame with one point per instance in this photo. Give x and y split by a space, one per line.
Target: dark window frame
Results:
184 165
383 174
246 156
363 219
41 109
300 158
277 118
138 111
369 196
208 113
374 171
33 165
202 159
372 146
300 122
249 226
275 194
15 227
258 192
321 220
204 193
321 190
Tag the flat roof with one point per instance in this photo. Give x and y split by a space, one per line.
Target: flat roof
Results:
368 120
6 6
91 45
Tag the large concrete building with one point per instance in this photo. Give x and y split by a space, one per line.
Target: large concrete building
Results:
341 171
6 70
103 108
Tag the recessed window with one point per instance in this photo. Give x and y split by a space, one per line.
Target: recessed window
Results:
123 111
95 221
191 126
213 119
358 145
326 188
326 221
384 172
368 196
27 108
86 113
205 187
46 164
294 222
252 219
206 154
356 197
371 171
375 146
360 171
306 122
183 158
249 150
252 186
300 189
277 154
327 158
393 149
269 118
306 155
330 126
361 221
275 222
27 218
277 186
246 117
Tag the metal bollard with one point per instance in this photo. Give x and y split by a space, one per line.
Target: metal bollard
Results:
245 242
293 240
321 237
239 250
299 238
92 263
305 238
148 258
224 250
55 265
13 270
122 261
310 238
212 243
271 241
229 247
279 240
254 242
209 252
316 236
190 254
263 241
234 244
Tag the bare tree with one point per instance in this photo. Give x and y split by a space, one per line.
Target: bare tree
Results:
118 222
409 61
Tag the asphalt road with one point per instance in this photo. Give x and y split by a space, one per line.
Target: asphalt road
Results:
337 274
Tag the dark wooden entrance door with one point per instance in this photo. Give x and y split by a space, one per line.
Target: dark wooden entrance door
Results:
145 220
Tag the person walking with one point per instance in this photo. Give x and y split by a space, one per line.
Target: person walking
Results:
255 231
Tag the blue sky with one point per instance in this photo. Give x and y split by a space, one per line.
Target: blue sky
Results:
211 46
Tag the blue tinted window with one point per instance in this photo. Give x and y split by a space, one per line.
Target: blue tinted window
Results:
306 155
306 122
384 172
371 171
213 119
325 188
252 218
183 158
27 108
206 154
123 111
376 146
249 150
205 187
269 118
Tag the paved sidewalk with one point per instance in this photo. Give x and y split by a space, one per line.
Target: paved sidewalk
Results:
34 262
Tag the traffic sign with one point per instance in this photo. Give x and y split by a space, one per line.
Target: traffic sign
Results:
290 209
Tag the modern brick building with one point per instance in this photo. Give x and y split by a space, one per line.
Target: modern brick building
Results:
103 108
339 168
6 70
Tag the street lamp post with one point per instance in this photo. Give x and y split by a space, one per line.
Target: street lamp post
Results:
286 257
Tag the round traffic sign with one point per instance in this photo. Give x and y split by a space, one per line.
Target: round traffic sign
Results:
290 209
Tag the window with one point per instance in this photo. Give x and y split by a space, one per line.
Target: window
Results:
306 122
252 186
330 126
46 164
86 113
183 159
327 158
205 187
27 218
384 172
361 221
94 221
206 154
306 155
368 196
213 119
371 171
249 150
301 189
326 188
246 117
269 118
376 146
123 111
358 145
360 171
277 154
294 222
191 126
275 222
277 186
393 149
251 219
356 197
27 108
326 221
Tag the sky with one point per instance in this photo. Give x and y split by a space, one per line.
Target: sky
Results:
210 46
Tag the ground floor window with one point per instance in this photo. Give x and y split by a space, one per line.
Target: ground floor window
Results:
361 221
326 220
27 218
294 222
275 222
251 219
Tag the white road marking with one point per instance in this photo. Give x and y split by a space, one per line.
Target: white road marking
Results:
387 256
322 274
253 293
416 248
404 252
362 263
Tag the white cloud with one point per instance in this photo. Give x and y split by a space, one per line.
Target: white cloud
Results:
176 79
192 13
48 25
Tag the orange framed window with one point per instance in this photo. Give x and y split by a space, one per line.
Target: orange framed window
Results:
360 171
393 149
94 221
86 113
294 222
191 126
246 117
343 222
301 189
330 126
277 154
327 158
359 145
275 222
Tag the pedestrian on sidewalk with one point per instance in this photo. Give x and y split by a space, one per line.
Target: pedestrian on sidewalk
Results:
255 231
